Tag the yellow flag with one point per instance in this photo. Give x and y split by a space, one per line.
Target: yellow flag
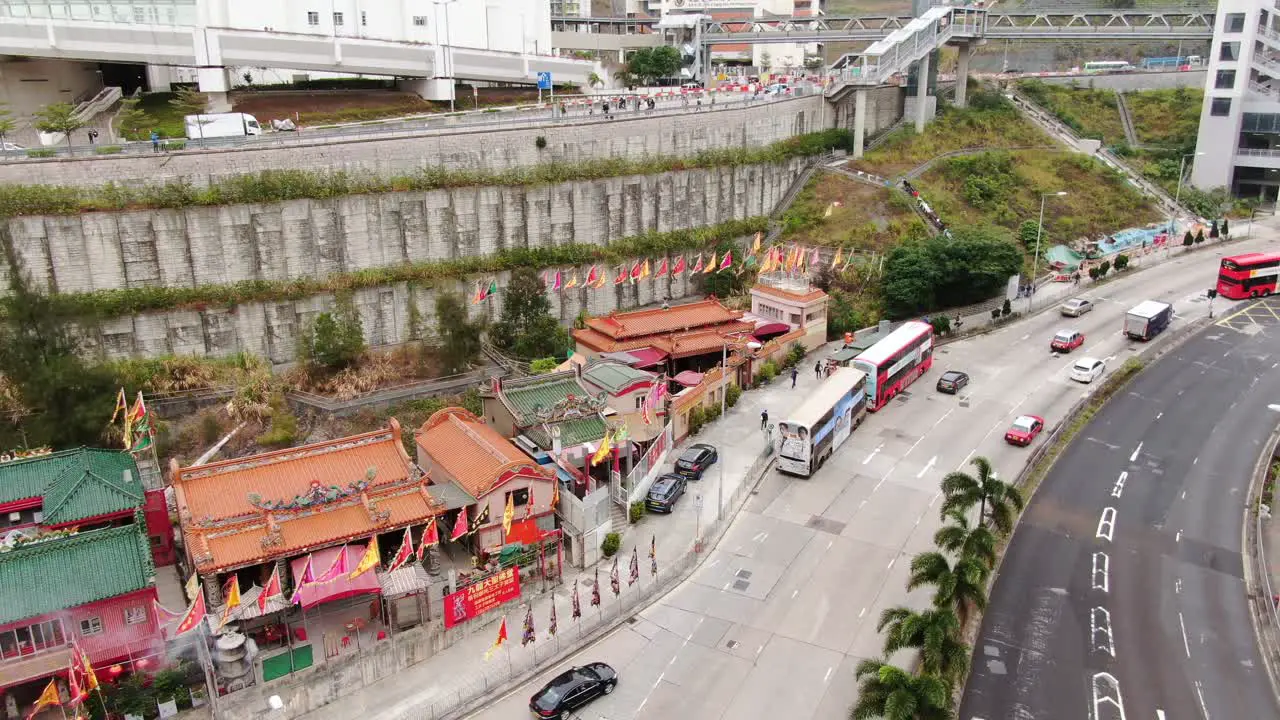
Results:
755 246
371 559
712 265
605 446
193 587
509 514
233 600
47 698
835 261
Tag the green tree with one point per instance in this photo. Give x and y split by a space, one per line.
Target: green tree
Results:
974 264
132 122
1199 236
542 366
1027 233
1188 239
7 125
527 328
997 500
336 340
891 693
1213 230
70 401
958 586
766 61
911 276
59 118
649 64
459 336
189 101
1226 229
934 632
966 540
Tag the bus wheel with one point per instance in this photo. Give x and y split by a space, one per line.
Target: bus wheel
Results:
1266 293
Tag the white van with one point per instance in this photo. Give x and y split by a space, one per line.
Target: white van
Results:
220 125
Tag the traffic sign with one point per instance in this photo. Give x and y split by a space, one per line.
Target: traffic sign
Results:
544 81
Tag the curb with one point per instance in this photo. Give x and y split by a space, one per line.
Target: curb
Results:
1251 582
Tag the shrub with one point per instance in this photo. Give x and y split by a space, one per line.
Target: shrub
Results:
1213 230
995 313
1188 239
612 541
336 341
540 142
108 150
42 153
1104 268
941 324
697 418
1094 274
1122 262
1200 236
768 371
542 366
795 355
711 413
636 511
732 395
1006 308
174 144
1226 230
210 429
283 431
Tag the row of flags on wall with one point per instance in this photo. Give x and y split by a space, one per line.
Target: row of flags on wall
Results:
81 680
529 633
793 258
138 435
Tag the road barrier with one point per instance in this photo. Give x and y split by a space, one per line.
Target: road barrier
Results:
1264 610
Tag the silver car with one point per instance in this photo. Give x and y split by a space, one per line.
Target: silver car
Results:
1076 307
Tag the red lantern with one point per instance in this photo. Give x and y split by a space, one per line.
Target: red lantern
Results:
115 670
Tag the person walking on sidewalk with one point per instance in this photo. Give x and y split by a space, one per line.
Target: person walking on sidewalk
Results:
764 419
794 374
817 370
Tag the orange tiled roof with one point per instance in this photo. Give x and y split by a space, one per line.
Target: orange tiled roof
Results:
471 451
241 511
664 342
677 318
813 293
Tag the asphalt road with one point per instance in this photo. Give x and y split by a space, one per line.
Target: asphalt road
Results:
1128 561
779 614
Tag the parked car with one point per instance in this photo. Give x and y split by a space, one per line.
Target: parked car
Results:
1024 430
664 493
695 460
1066 341
1075 307
952 381
572 689
1088 369
9 147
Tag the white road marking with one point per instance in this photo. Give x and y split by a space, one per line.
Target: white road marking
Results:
1185 645
891 562
1107 524
1184 494
1101 571
1159 714
1100 624
1193 462
928 466
1177 586
1200 694
873 453
934 499
862 612
1119 488
864 502
1178 536
794 593
827 677
1134 456
1159 415
1024 337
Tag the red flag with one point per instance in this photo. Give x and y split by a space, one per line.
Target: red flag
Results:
662 268
528 506
74 693
559 281
697 267
622 276
592 276
192 618
308 577
635 271
459 526
728 261
430 536
679 267
271 590
404 553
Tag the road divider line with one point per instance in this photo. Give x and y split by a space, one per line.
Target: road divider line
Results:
1200 694
1107 524
1119 487
1186 646
1101 571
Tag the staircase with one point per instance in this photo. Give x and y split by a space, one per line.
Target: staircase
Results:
619 515
1130 135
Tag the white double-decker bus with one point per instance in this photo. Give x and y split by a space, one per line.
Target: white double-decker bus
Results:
819 426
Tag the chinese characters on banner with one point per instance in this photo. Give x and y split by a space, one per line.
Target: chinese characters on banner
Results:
481 597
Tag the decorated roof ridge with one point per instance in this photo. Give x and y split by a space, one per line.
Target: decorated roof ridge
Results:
196 472
354 494
63 541
63 490
615 324
538 380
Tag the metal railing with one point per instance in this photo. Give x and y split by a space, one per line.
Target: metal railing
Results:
396 393
1257 152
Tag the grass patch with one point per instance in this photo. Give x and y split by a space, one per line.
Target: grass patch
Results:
1090 112
1166 117
163 117
866 217
990 121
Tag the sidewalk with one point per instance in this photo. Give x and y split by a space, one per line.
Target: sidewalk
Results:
460 674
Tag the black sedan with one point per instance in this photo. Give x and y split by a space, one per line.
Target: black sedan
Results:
664 493
695 461
572 689
952 381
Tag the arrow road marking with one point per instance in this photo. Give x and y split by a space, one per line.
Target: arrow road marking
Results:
928 466
873 453
1134 456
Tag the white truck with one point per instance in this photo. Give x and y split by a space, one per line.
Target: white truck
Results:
220 125
1147 319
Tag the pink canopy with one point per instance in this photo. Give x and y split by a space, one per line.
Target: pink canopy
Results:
321 560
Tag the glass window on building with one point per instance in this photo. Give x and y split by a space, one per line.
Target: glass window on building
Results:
1229 51
1226 80
1220 107
313 18
337 19
1234 22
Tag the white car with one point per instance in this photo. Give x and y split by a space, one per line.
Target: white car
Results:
8 146
1088 369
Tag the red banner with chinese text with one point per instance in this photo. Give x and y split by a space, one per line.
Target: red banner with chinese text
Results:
479 598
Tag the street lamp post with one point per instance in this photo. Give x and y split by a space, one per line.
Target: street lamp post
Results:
1035 261
1177 194
448 43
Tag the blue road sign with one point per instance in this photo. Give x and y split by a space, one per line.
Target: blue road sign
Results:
544 81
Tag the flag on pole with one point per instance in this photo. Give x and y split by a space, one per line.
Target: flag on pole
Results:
622 275
593 276
644 269
232 592
529 635
595 589
481 520
191 619
528 505
430 536
141 420
839 258
679 267
653 555
663 268
404 553
727 262
479 296
372 559
635 567
711 264
273 589
192 586
697 267
635 271
755 246
493 288
308 576
555 495
509 514
600 281
559 282
573 281
74 694
86 669
47 698
614 584
551 627
122 406
814 257
497 643
577 602
606 444
164 615
459 526
337 568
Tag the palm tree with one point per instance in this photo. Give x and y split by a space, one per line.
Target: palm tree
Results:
958 586
894 694
962 540
995 498
934 632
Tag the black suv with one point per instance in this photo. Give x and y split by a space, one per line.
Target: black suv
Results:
695 461
572 689
664 493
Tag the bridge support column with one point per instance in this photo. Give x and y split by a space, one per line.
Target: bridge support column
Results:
962 75
214 84
922 93
859 121
428 88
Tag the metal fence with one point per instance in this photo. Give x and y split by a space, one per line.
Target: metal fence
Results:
514 664
1262 593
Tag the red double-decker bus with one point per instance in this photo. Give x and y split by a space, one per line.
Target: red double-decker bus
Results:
896 361
1248 276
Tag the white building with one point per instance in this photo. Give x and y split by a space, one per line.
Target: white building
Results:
1239 138
778 55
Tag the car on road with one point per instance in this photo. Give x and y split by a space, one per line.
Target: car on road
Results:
9 147
1075 307
952 381
695 460
664 493
1066 341
1088 369
572 689
1024 430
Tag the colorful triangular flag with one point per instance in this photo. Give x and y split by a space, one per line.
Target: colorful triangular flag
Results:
727 262
47 698
622 276
430 536
508 514
308 576
192 617
559 282
551 626
459 526
614 583
593 275
528 505
662 268
493 289
711 264
404 553
644 269
497 643
233 599
595 589
273 589
338 568
577 602
679 267
529 635
372 559
573 281
603 452
839 258
755 246
635 271
697 267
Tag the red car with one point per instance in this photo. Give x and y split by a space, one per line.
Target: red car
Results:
1066 341
1024 430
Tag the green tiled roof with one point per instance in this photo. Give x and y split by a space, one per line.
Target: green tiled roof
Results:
572 432
65 572
523 395
614 376
75 484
